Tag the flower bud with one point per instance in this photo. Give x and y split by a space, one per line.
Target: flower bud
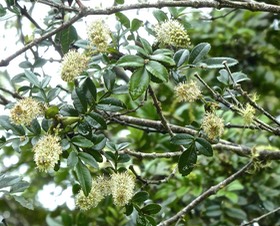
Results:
212 125
187 92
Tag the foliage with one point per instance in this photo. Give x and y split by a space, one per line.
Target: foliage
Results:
212 161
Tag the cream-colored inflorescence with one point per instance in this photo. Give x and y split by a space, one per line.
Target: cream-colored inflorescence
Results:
212 125
94 197
47 152
99 35
187 92
122 186
248 114
173 33
25 111
73 64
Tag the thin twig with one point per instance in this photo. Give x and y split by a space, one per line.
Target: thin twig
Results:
211 191
152 155
260 218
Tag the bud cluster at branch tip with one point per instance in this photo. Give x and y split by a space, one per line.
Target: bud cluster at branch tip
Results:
187 92
99 35
47 152
212 125
171 32
248 114
25 111
73 64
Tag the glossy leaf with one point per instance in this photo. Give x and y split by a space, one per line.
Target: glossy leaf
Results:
96 120
89 91
146 45
6 181
152 208
26 203
66 38
203 147
84 177
135 24
217 62
88 159
157 70
81 141
138 83
32 78
187 161
181 57
123 19
160 15
111 104
131 61
19 187
182 139
198 52
79 100
163 59
140 197
72 159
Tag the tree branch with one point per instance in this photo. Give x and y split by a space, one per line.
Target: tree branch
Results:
211 191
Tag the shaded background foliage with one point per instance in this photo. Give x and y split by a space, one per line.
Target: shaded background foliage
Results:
251 38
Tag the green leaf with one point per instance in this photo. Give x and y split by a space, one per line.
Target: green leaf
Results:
96 120
157 70
160 15
119 2
7 125
187 160
99 142
135 24
139 50
182 139
217 62
131 61
139 82
79 100
34 127
128 209
84 177
163 59
32 78
81 142
236 213
123 19
2 11
111 104
198 52
140 197
9 181
66 38
152 208
68 110
45 82
146 45
109 78
51 112
239 77
72 159
24 202
181 57
203 147
88 159
57 221
19 187
89 90
39 62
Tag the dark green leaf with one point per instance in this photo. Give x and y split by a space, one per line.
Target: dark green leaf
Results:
32 78
84 177
25 64
239 77
187 161
224 77
217 62
131 61
68 110
236 213
99 142
181 57
88 159
72 159
135 24
81 142
203 147
109 78
138 83
34 127
146 45
139 50
123 19
89 91
182 139
111 104
2 11
45 82
66 38
119 1
140 197
79 100
96 120
152 208
53 93
128 209
39 62
163 59
160 15
24 202
157 70
198 52
97 156
6 124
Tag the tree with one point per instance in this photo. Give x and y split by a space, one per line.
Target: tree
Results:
162 121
